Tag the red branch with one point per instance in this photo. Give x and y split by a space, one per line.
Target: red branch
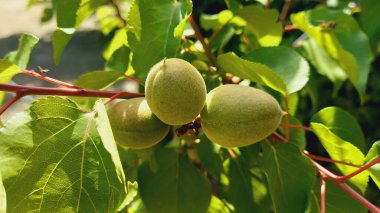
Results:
30 90
326 174
48 79
323 195
330 160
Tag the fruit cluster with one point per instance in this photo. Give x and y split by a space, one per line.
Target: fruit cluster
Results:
175 94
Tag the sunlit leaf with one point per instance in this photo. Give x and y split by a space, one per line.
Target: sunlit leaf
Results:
57 158
342 137
3 198
175 186
21 56
345 42
256 72
372 154
264 24
285 62
7 71
154 31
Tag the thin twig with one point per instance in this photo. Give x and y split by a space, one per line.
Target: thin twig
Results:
288 28
361 169
200 37
332 177
323 195
216 33
10 103
30 90
48 79
118 13
232 153
329 160
297 126
284 11
278 137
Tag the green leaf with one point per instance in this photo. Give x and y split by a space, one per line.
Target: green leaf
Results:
264 24
209 157
247 190
61 37
346 43
290 176
154 31
3 198
342 124
56 158
176 186
285 62
70 15
119 60
98 79
370 20
22 54
372 154
119 39
252 71
324 64
337 200
7 71
333 139
217 206
215 21
108 19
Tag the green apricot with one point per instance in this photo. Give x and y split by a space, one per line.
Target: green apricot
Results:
134 125
175 91
236 115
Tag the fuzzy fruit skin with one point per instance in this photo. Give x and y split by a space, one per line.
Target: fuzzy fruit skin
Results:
236 115
134 125
175 91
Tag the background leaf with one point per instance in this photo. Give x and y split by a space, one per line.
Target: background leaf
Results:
263 23
98 79
324 64
370 21
372 154
175 186
345 43
285 62
253 71
151 38
336 200
290 176
70 15
21 56
61 159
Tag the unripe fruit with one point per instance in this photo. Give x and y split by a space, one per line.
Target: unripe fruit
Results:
236 115
134 125
175 91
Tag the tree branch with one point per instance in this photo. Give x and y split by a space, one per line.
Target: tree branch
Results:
200 37
118 13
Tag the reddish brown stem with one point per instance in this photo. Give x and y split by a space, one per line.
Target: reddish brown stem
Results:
330 160
10 103
284 11
216 33
232 153
278 137
113 98
297 127
29 90
48 79
118 13
332 177
361 169
323 195
288 28
200 37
